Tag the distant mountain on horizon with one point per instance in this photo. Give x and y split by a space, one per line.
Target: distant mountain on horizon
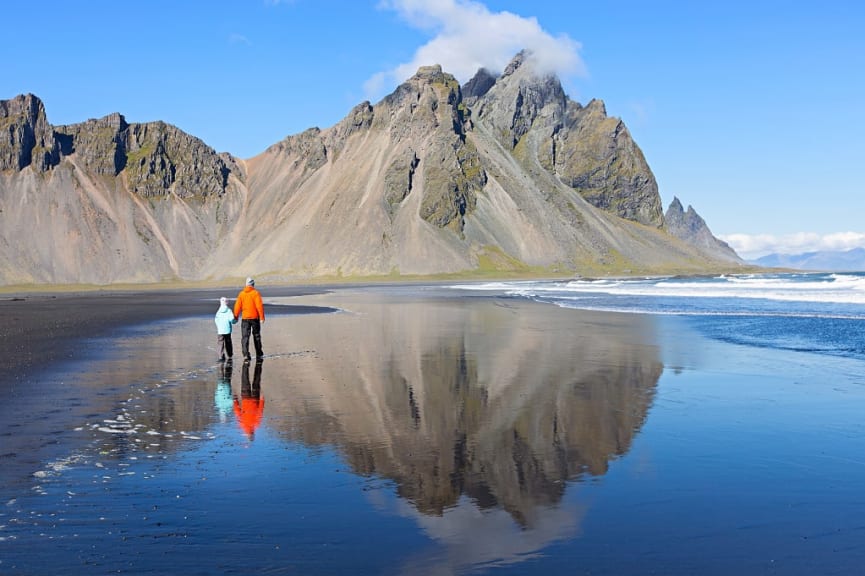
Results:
503 175
825 260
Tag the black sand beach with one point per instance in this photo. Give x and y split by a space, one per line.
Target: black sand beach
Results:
41 329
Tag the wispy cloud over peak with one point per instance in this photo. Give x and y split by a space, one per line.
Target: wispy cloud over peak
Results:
467 36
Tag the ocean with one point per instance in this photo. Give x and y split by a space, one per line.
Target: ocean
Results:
807 312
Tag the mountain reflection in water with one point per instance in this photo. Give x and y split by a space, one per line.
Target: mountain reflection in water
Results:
452 399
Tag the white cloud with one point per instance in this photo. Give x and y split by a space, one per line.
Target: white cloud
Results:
235 38
750 246
467 37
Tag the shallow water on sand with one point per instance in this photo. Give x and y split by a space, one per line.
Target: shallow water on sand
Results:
435 436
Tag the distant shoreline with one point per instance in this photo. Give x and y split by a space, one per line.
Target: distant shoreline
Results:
325 282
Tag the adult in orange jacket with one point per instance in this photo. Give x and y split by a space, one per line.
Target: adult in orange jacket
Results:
250 309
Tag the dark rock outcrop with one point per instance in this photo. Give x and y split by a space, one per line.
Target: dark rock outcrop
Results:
478 86
429 107
156 158
596 155
99 144
398 179
26 138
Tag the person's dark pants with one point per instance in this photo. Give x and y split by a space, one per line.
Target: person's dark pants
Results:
254 326
224 346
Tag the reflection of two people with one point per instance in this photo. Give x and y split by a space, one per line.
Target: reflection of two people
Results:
250 406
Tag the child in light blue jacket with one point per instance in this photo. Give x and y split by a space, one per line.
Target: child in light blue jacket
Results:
224 320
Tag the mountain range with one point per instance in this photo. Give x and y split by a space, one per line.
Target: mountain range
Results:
825 260
503 175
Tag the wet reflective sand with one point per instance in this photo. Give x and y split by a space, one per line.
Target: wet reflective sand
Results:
418 433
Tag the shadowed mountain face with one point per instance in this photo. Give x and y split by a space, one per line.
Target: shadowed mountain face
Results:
504 174
581 146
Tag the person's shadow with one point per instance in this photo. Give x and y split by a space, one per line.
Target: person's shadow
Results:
250 406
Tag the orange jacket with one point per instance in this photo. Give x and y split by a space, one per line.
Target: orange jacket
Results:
248 304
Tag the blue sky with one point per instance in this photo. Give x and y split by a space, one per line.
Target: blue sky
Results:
752 112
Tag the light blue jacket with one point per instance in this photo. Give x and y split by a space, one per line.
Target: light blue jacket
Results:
224 319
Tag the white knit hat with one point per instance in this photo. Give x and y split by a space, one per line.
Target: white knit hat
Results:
223 301
250 281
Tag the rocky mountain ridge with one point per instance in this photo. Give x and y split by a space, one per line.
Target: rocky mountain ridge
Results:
690 227
503 175
587 150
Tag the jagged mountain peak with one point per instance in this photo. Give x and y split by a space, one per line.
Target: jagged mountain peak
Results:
431 73
427 105
426 78
478 85
525 62
682 223
516 62
689 218
30 138
530 114
690 227
524 84
596 106
22 104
